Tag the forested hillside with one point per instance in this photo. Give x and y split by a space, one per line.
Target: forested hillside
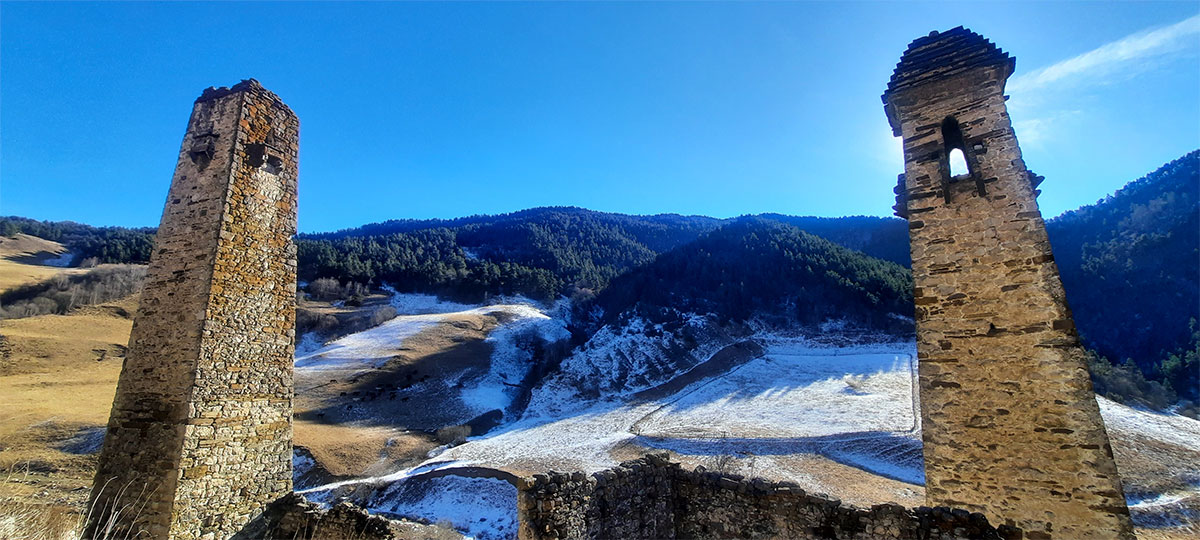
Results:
1131 267
540 253
881 237
757 268
100 244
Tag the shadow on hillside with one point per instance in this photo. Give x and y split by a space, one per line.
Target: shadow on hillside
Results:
894 456
411 390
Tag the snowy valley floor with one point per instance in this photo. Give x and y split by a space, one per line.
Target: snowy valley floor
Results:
838 421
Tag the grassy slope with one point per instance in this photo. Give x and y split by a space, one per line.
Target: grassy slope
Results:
16 254
59 374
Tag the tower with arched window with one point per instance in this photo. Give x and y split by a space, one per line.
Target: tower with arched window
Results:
1010 424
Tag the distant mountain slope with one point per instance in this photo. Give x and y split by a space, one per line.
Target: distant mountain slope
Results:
540 252
658 232
757 268
1131 266
104 244
881 237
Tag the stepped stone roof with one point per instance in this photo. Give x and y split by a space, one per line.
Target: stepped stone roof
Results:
942 54
945 53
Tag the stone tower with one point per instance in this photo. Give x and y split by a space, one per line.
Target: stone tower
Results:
1010 423
199 438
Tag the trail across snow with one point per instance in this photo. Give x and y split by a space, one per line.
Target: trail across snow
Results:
855 405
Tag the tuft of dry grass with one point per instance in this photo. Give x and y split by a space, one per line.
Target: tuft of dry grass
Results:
26 520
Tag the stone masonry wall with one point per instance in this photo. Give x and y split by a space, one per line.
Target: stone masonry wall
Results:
1010 424
652 498
634 500
199 438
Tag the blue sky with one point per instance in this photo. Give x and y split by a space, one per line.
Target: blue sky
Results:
415 110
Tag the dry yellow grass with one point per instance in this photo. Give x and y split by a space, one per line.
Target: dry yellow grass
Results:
15 254
357 450
58 375
24 245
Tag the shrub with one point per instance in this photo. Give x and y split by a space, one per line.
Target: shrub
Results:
63 292
382 315
453 435
329 289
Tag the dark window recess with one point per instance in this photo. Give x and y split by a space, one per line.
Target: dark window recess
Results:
957 166
256 154
257 157
202 149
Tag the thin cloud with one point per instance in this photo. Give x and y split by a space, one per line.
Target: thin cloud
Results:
1099 64
1035 132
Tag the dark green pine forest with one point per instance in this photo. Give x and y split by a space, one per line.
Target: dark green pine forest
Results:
1131 267
757 268
1130 264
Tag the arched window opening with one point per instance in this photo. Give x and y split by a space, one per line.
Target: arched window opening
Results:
958 163
957 167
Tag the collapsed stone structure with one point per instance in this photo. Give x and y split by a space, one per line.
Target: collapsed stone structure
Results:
1009 419
199 438
654 498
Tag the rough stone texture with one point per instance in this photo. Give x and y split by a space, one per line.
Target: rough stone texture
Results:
294 518
652 498
634 500
1011 426
199 438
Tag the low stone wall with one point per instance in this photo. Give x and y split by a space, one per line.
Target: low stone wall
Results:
652 498
634 500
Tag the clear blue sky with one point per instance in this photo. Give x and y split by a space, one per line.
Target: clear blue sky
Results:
439 110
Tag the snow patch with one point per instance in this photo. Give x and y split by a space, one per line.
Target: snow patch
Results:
620 360
796 392
512 356
302 464
307 344
421 304
1172 428
62 260
480 508
370 348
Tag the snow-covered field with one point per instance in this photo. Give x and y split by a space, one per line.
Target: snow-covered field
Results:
371 349
797 398
853 407
795 391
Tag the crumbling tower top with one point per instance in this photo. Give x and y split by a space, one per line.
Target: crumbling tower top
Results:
938 56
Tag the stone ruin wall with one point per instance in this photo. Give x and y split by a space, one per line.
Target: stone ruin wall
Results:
1010 423
199 438
654 498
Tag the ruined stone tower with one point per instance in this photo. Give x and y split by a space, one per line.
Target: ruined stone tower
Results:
199 438
1010 423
